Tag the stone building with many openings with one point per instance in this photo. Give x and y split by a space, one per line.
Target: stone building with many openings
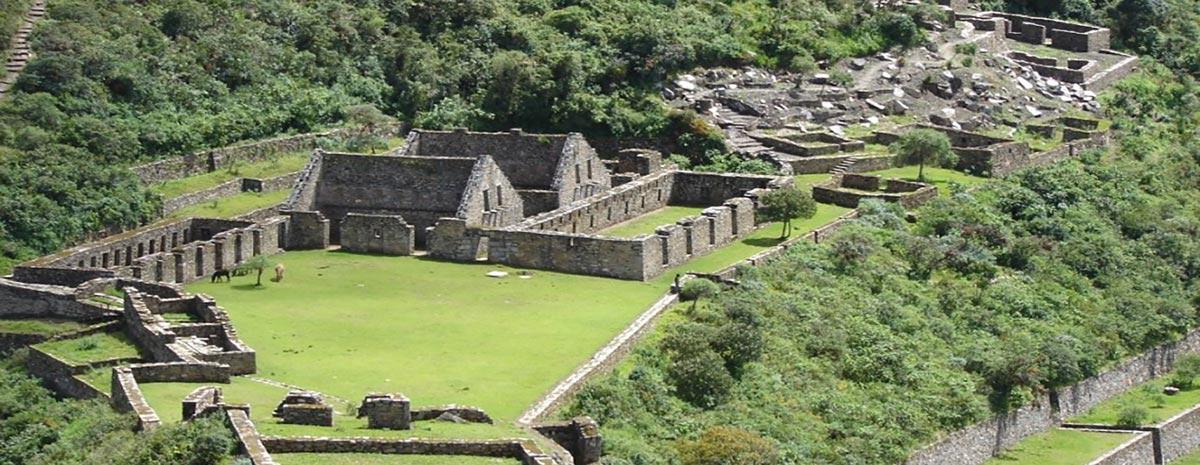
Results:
384 203
549 171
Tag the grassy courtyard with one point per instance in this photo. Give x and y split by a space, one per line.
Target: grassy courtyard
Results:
646 224
46 327
230 207
376 459
1061 447
1150 396
1189 459
940 177
91 348
283 164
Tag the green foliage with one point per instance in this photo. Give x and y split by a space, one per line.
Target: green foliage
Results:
785 205
41 430
1133 416
699 288
723 445
924 146
1187 368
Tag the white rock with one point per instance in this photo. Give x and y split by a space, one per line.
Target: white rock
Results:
1024 83
497 274
872 120
1052 82
837 129
948 112
827 105
947 75
898 92
1033 111
685 85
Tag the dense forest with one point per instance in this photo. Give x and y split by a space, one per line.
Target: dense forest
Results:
862 349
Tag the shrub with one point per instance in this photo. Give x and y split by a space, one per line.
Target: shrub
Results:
725 445
1187 368
921 147
699 288
700 378
1132 416
784 205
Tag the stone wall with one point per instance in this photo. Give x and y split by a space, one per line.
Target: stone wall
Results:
849 189
127 397
228 189
579 436
19 299
470 414
58 275
1179 435
59 375
1065 35
1137 451
221 158
570 253
1103 79
382 234
623 203
525 451
181 372
696 188
249 441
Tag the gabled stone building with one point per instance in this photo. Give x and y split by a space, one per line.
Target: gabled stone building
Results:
384 203
549 171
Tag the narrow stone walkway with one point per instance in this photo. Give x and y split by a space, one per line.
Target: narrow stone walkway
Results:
281 384
19 52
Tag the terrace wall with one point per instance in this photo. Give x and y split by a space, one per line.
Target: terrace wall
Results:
127 397
525 451
383 234
59 375
1179 435
18 299
1139 450
228 189
623 203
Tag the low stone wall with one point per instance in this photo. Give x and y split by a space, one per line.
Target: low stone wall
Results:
1137 451
623 203
127 397
470 414
523 450
181 372
1106 78
249 441
223 190
382 234
26 300
59 375
579 436
221 158
1179 435
849 190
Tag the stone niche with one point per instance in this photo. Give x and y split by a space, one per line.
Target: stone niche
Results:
304 408
381 234
386 411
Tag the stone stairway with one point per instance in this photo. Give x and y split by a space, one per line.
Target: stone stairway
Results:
843 166
19 51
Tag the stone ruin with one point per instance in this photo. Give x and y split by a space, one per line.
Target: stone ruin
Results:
386 411
304 408
847 190
394 411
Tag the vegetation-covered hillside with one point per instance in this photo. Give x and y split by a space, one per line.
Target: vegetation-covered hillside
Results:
863 349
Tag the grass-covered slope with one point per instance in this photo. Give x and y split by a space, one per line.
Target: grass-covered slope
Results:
862 349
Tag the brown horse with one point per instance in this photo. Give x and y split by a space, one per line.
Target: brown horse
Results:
217 275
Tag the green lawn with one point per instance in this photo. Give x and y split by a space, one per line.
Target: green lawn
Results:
940 177
1061 447
646 224
1189 459
48 327
804 182
1148 395
376 459
262 398
284 164
230 207
348 324
91 348
100 378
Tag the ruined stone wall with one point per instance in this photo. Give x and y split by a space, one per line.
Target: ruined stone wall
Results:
249 441
525 451
610 147
1138 450
623 203
1179 435
59 376
198 259
181 372
529 160
570 253
489 199
228 189
1065 35
383 234
19 299
696 188
580 172
1123 68
127 397
307 230
848 190
216 159
304 189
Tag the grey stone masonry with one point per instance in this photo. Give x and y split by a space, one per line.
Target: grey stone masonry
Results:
304 408
579 436
386 411
382 234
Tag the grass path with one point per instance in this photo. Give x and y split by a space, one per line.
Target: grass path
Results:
1061 447
377 459
230 207
646 224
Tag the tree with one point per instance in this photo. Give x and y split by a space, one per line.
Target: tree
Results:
726 445
921 147
697 289
256 263
368 120
784 205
